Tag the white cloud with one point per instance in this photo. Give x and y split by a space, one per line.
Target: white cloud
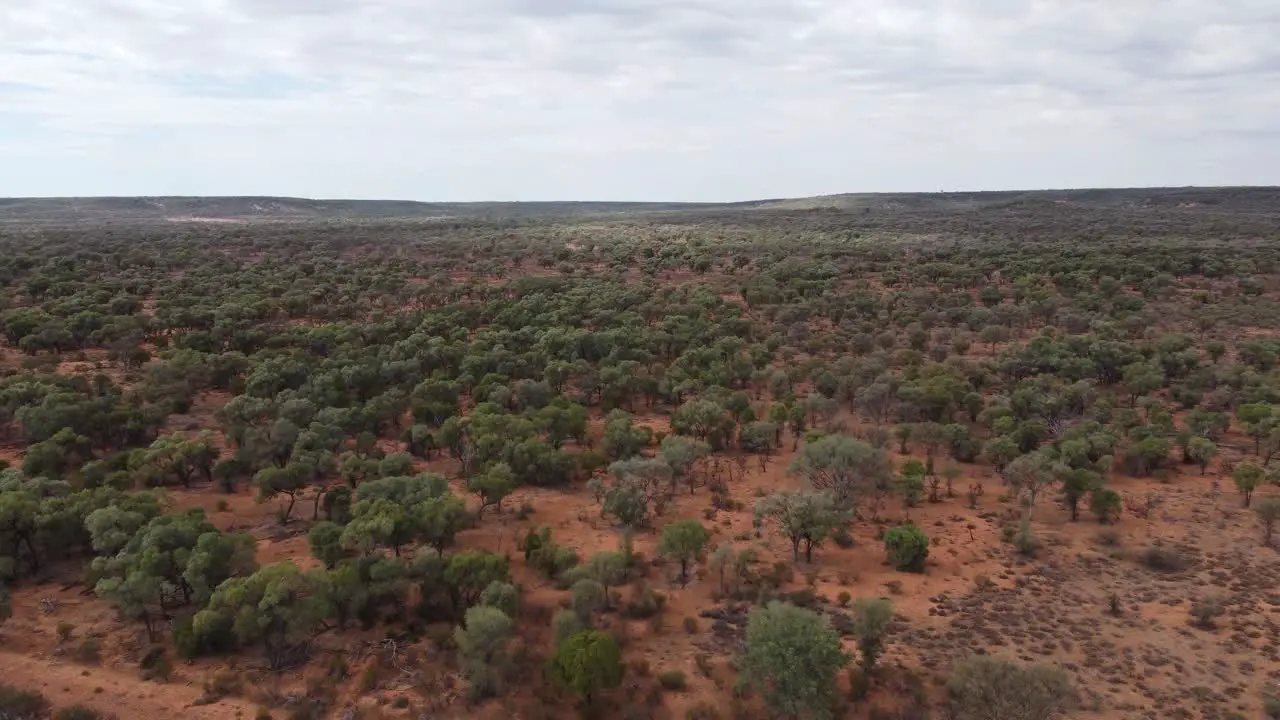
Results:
632 99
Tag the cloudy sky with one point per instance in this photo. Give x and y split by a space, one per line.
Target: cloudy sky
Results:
633 99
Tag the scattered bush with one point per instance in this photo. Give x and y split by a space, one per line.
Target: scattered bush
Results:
1206 610
672 680
18 704
988 688
1164 560
907 547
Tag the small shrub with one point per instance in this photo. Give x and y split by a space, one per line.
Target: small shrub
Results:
400 703
842 537
672 680
262 714
21 704
907 547
89 651
691 625
222 506
64 630
1164 560
704 664
702 711
1029 692
155 664
1206 610
1109 538
844 598
645 604
81 712
1271 708
1026 541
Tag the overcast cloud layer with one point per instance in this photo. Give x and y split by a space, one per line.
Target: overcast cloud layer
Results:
633 99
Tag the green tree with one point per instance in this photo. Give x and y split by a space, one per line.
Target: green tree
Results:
279 608
325 540
1247 478
1076 484
587 663
802 517
1202 451
849 469
482 649
492 486
792 656
1268 511
871 619
683 542
907 547
1105 505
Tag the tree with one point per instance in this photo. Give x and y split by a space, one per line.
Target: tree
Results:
683 541
278 607
680 454
290 480
1142 378
1002 450
871 618
802 517
1105 505
482 648
640 487
1258 419
792 656
587 663
846 467
469 573
492 486
325 540
1076 484
1031 474
622 439
1268 511
588 597
907 548
1202 451
1247 478
987 688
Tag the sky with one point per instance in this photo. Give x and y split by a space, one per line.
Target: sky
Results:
696 100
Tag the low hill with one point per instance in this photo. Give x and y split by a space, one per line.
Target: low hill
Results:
243 209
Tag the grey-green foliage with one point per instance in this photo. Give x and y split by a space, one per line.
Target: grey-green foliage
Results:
680 453
482 648
640 488
871 618
847 468
987 688
802 517
589 597
279 607
792 656
172 561
565 624
503 596
111 528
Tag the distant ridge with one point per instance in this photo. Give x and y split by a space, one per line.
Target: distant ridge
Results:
246 209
